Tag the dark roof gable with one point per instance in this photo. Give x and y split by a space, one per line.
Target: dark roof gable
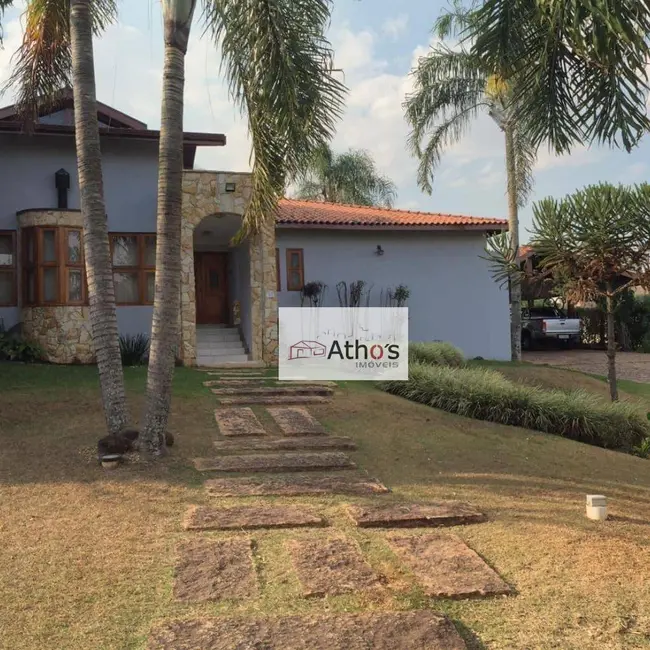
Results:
107 115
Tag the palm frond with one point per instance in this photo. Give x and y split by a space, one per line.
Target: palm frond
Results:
580 66
455 21
449 92
354 179
310 190
42 65
278 65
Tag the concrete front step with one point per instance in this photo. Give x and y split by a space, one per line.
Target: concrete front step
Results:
228 351
221 361
219 336
219 345
232 365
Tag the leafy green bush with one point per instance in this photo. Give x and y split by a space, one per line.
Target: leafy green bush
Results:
18 349
13 347
437 353
134 349
487 395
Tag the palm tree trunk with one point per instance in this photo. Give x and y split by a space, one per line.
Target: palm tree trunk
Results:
166 310
513 227
611 346
103 319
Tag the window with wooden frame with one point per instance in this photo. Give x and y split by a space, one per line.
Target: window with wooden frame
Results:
8 268
295 269
53 266
278 283
134 267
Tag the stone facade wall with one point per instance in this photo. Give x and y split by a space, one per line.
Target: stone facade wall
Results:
204 195
63 332
264 301
44 217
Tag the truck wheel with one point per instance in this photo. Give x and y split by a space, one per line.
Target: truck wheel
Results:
526 340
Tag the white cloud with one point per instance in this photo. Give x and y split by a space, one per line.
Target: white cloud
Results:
396 26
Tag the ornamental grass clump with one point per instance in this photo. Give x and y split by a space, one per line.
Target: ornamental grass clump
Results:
437 353
487 395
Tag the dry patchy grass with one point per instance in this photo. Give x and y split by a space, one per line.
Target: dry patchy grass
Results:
86 556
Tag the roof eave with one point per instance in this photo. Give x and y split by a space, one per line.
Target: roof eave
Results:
488 227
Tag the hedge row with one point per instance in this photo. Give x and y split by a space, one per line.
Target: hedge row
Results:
487 395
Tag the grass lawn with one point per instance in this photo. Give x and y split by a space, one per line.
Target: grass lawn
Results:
86 556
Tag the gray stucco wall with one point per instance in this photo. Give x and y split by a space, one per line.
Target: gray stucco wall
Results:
9 316
130 169
453 297
134 320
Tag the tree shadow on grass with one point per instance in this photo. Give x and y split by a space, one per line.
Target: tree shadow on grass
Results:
471 639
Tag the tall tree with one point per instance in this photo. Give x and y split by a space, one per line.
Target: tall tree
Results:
579 65
452 87
350 177
177 15
57 48
596 245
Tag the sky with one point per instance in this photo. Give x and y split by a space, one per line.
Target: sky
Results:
376 44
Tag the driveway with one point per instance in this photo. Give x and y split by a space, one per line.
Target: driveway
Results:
629 365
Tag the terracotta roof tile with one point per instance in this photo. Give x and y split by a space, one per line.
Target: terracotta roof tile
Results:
294 212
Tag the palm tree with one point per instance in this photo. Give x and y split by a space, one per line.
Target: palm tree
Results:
452 86
278 66
177 16
580 66
57 43
349 177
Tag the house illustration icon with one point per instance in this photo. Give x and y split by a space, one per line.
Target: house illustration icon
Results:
306 349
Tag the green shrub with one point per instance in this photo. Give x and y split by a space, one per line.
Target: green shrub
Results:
13 347
439 354
487 395
134 349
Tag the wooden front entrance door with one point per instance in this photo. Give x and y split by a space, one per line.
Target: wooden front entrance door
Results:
211 274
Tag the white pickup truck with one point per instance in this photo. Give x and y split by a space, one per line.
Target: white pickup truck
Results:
548 323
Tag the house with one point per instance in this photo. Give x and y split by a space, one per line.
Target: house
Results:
305 349
229 295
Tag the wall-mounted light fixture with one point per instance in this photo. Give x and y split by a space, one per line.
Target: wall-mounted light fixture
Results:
231 187
379 250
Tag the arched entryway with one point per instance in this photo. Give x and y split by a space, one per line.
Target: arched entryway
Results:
213 206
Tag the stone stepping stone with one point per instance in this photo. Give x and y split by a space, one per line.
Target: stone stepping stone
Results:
330 567
417 630
446 567
289 444
290 391
293 485
414 515
215 570
253 381
250 517
273 399
238 422
237 375
289 462
296 421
